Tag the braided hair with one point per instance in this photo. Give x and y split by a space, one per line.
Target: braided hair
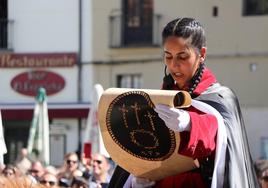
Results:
192 30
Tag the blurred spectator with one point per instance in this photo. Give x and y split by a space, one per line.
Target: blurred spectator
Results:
80 182
9 171
36 171
261 167
100 171
2 166
85 166
112 166
77 173
19 182
23 163
51 169
70 165
264 179
49 180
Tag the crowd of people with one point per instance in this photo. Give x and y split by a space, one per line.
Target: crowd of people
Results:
75 172
261 167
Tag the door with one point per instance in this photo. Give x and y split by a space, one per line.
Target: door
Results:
16 137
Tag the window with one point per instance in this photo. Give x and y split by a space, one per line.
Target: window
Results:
264 147
138 22
255 7
129 81
3 24
215 11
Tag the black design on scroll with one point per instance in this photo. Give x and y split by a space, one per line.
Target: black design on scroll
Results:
136 128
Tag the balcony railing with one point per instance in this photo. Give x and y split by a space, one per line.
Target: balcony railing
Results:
6 34
116 31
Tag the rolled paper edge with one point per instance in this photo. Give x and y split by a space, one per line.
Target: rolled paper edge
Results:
182 99
173 98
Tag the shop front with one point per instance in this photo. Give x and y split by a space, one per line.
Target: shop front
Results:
22 75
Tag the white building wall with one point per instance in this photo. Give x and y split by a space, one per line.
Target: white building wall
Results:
44 26
230 33
87 31
69 128
48 27
87 82
52 26
256 119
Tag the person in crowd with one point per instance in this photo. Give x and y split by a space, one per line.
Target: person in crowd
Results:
264 179
86 166
49 180
261 167
9 171
19 182
2 166
100 171
23 163
36 171
80 182
211 129
70 165
51 169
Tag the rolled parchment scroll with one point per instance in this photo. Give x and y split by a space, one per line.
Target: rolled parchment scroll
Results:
136 138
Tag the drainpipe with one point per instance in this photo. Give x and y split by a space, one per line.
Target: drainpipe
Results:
79 76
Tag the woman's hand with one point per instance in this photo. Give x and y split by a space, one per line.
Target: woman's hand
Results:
176 119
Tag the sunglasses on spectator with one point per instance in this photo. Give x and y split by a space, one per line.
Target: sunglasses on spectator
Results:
51 183
33 171
71 161
265 178
97 161
8 173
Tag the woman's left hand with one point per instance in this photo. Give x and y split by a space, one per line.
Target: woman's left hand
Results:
176 119
141 183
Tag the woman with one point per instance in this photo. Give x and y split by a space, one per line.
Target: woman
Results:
212 129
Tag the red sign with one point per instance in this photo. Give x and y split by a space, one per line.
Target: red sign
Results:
16 60
27 83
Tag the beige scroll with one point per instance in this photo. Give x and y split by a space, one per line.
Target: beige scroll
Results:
140 165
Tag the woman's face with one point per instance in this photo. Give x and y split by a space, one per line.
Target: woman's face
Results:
182 60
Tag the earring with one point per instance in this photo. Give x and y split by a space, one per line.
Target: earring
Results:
168 80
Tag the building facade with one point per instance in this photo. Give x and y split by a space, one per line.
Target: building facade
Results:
236 42
117 43
41 45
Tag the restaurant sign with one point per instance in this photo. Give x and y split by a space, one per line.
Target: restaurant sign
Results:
27 83
26 60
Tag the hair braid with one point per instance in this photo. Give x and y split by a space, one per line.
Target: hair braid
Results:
196 78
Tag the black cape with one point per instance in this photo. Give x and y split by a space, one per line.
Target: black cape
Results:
239 169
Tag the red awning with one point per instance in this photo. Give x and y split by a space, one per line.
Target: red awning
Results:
55 110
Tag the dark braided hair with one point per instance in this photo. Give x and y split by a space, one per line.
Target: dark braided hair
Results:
191 30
